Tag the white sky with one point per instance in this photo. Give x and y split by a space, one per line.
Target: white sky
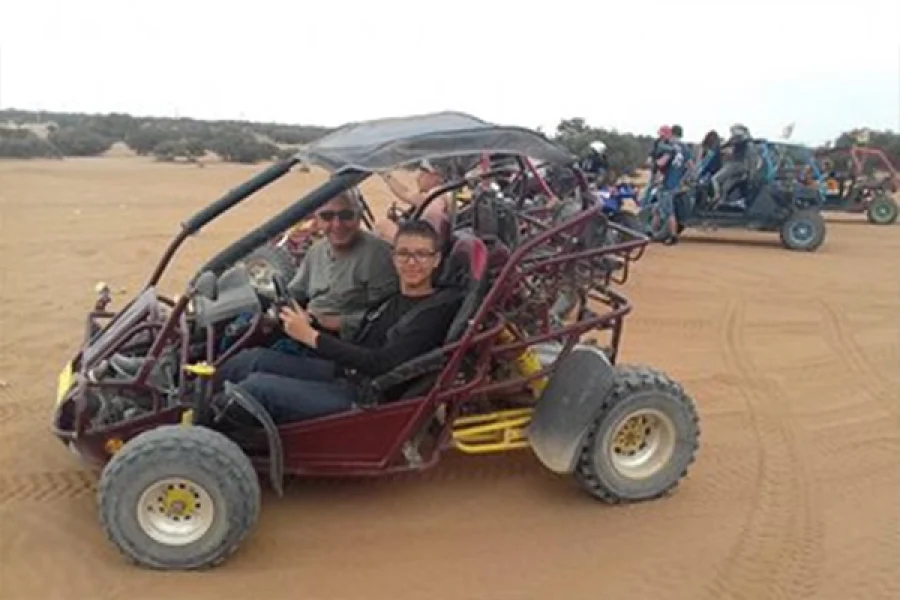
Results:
631 65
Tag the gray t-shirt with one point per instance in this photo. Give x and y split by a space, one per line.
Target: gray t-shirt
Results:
347 284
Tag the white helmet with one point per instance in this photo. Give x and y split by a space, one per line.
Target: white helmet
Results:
598 147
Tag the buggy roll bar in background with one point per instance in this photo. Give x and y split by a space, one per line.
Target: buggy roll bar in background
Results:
223 204
297 211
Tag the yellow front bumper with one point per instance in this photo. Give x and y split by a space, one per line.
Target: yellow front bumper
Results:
64 383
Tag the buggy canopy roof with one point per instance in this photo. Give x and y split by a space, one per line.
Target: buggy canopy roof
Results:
385 144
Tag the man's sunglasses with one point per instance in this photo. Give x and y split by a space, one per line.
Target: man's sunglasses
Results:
344 215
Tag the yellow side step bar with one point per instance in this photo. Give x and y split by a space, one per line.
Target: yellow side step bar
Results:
492 432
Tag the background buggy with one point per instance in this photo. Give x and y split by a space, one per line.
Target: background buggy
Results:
179 486
766 198
854 185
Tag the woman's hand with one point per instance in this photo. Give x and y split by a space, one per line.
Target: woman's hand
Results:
297 325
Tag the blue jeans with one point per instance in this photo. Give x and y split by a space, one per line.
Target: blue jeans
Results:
289 387
666 202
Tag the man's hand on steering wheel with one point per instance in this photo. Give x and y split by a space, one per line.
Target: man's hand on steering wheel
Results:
282 300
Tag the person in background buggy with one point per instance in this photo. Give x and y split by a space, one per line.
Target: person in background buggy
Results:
596 163
736 167
428 178
710 159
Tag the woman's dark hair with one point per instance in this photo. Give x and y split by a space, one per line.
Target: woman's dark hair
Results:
711 139
418 228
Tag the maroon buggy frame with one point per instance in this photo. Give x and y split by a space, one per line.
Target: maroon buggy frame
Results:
179 486
850 190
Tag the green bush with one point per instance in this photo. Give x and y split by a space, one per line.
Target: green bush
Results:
80 141
22 143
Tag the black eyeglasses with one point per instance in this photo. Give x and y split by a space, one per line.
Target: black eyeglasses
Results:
344 215
413 255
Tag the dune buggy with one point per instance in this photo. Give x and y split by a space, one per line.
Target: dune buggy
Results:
766 198
179 487
854 185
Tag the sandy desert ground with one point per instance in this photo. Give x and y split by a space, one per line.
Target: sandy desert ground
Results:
794 360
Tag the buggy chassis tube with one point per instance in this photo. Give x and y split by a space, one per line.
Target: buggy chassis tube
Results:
483 329
164 329
524 164
231 198
297 211
451 187
498 291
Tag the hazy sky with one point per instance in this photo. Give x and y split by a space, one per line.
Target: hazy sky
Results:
628 64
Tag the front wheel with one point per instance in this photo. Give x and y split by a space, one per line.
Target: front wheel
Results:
179 498
883 210
642 442
804 230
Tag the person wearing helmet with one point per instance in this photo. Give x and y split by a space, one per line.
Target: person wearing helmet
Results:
736 166
596 163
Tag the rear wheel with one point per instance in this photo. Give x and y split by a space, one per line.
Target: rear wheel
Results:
883 210
642 442
804 230
179 498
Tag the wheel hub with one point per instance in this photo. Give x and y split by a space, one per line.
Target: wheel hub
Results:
175 511
632 436
642 444
178 503
801 231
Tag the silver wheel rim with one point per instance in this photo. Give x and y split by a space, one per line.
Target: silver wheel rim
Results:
882 212
641 443
175 511
802 232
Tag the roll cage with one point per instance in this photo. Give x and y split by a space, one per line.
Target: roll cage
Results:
509 290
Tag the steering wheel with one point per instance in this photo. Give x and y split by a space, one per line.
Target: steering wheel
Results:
282 294
284 298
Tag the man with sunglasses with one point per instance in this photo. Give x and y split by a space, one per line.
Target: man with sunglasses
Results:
406 325
347 272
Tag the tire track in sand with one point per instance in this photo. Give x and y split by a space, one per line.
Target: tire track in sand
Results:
844 344
45 486
16 406
779 549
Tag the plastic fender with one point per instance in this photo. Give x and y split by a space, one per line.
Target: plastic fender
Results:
243 399
574 396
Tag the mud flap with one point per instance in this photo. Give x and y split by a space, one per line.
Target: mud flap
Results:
276 452
565 410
